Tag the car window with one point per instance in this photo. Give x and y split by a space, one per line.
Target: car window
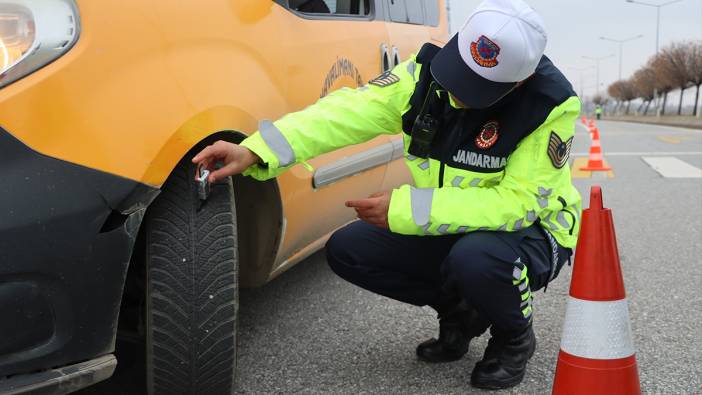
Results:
331 7
398 12
415 13
431 12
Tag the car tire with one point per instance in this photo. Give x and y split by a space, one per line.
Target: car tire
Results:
192 288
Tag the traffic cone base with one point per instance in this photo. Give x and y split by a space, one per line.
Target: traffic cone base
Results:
596 167
585 376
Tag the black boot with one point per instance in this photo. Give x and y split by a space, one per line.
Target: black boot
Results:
456 329
505 360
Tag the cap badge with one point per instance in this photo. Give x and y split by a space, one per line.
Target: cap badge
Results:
484 52
488 135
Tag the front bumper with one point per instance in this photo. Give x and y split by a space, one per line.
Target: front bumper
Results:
61 380
66 237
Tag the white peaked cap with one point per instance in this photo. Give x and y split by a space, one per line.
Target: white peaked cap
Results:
501 43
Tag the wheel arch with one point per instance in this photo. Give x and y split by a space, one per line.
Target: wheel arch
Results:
260 216
260 219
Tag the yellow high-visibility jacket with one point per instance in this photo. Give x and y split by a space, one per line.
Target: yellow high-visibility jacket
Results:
499 169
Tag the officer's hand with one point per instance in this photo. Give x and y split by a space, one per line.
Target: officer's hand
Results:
235 159
373 210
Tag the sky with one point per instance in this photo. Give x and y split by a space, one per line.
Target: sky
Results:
574 28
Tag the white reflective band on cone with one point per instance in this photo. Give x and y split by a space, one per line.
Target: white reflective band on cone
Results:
597 330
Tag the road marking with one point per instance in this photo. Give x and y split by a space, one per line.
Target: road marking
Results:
642 153
671 167
575 171
674 139
669 139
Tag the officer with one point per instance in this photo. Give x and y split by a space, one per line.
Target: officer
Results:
488 124
598 112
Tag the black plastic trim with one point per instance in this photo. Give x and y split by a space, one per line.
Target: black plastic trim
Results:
66 238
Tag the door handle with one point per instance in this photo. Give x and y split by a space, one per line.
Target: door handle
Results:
385 64
395 56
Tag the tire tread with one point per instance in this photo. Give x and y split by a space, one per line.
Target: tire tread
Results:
192 292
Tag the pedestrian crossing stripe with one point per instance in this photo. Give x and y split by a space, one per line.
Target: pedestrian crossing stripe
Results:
671 167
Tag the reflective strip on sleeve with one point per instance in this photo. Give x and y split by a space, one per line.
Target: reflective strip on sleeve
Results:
597 330
560 218
277 143
548 222
411 68
543 197
421 199
531 216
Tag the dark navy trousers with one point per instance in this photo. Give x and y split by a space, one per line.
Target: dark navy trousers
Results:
484 269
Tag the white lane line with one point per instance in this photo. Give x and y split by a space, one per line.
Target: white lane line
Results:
671 167
662 153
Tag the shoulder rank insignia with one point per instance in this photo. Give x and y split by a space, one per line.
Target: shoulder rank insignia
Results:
385 79
558 150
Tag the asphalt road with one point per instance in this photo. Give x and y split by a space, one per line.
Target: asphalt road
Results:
310 332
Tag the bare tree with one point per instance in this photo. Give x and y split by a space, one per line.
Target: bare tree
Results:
644 81
664 82
615 91
694 60
623 91
629 93
598 99
675 68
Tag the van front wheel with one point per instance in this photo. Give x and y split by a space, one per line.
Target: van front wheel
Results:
192 289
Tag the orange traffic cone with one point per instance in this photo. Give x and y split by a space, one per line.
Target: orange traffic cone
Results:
597 353
584 120
596 160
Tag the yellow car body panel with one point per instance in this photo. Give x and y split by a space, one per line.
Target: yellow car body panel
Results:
147 81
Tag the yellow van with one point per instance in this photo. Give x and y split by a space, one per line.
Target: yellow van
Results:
102 104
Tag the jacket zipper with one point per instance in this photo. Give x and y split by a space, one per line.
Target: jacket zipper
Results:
441 175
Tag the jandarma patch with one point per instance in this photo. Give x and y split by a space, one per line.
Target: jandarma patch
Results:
558 150
484 52
385 79
488 135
